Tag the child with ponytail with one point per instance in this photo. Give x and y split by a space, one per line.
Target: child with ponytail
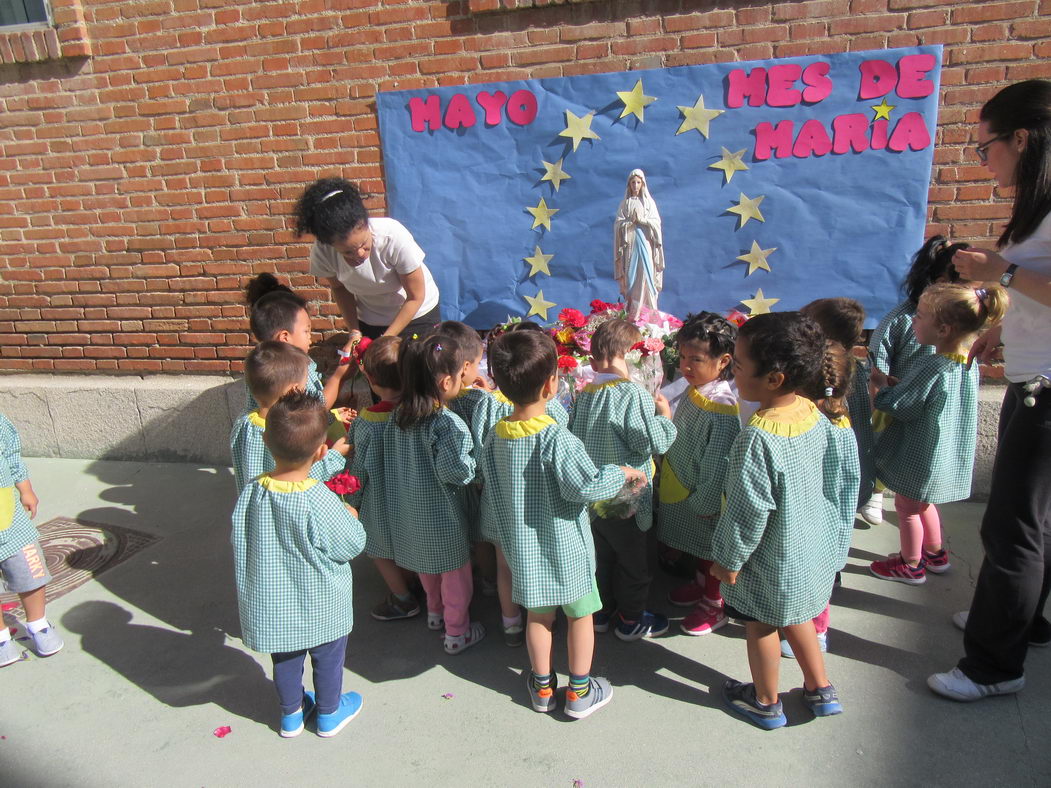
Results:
925 454
427 462
831 392
777 545
893 348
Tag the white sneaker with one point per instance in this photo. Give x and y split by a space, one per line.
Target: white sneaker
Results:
872 509
957 686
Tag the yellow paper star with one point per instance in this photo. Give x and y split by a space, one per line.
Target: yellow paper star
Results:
697 117
760 305
578 129
756 258
542 214
883 109
555 173
747 209
538 306
539 261
730 163
635 101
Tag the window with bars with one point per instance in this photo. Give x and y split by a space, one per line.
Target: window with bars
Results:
23 12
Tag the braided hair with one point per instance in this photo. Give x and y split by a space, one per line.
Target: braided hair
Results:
830 391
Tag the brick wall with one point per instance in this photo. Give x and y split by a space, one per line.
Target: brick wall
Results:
141 185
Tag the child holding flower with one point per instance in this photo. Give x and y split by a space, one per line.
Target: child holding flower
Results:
618 424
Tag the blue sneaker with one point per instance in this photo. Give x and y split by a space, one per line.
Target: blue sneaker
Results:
601 622
822 702
740 698
348 709
649 625
292 724
9 653
47 641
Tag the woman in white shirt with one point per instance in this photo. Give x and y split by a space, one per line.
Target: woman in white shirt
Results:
373 267
1007 612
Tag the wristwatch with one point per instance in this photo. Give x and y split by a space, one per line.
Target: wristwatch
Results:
1009 274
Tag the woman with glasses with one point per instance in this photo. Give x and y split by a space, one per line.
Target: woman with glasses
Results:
1007 612
374 267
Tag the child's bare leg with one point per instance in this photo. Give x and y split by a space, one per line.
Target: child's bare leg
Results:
539 641
581 641
803 640
764 658
485 555
33 603
392 575
508 609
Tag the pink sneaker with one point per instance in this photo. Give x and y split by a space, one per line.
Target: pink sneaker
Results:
936 562
894 568
703 620
687 595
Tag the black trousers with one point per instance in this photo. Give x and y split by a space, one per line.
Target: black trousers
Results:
1015 577
621 566
418 325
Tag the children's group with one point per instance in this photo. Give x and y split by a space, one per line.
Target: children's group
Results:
469 462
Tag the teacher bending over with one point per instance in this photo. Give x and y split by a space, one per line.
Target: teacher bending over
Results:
374 267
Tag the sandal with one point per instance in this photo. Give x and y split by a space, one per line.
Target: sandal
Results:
454 644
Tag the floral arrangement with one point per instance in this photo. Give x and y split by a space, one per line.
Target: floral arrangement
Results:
573 332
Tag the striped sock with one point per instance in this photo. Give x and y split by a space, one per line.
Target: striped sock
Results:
581 685
541 682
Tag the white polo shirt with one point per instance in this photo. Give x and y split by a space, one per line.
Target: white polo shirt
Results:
375 284
1027 327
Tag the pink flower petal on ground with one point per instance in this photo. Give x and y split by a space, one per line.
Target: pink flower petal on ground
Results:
221 731
448 696
578 784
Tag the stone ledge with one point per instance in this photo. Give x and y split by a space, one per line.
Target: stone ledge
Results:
184 418
187 418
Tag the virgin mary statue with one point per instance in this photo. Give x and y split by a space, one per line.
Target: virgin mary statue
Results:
638 246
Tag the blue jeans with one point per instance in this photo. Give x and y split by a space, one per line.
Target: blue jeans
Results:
327 663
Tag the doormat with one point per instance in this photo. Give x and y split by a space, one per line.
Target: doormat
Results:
77 551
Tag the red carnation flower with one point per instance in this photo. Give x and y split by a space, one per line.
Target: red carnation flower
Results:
572 317
567 362
343 484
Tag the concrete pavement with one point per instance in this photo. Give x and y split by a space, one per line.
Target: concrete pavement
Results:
153 665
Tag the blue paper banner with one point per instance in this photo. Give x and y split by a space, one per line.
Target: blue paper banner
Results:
824 160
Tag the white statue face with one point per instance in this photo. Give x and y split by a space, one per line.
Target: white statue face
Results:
635 185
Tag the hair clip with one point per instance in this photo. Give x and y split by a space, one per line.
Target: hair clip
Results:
981 294
415 336
331 194
828 391
437 347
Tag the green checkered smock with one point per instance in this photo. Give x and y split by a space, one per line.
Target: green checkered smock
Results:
893 344
464 406
367 464
842 479
251 458
19 530
315 387
426 468
860 406
782 529
495 406
694 470
293 543
926 452
617 423
539 480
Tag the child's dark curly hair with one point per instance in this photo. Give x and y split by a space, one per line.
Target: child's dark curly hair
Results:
790 343
931 263
713 331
